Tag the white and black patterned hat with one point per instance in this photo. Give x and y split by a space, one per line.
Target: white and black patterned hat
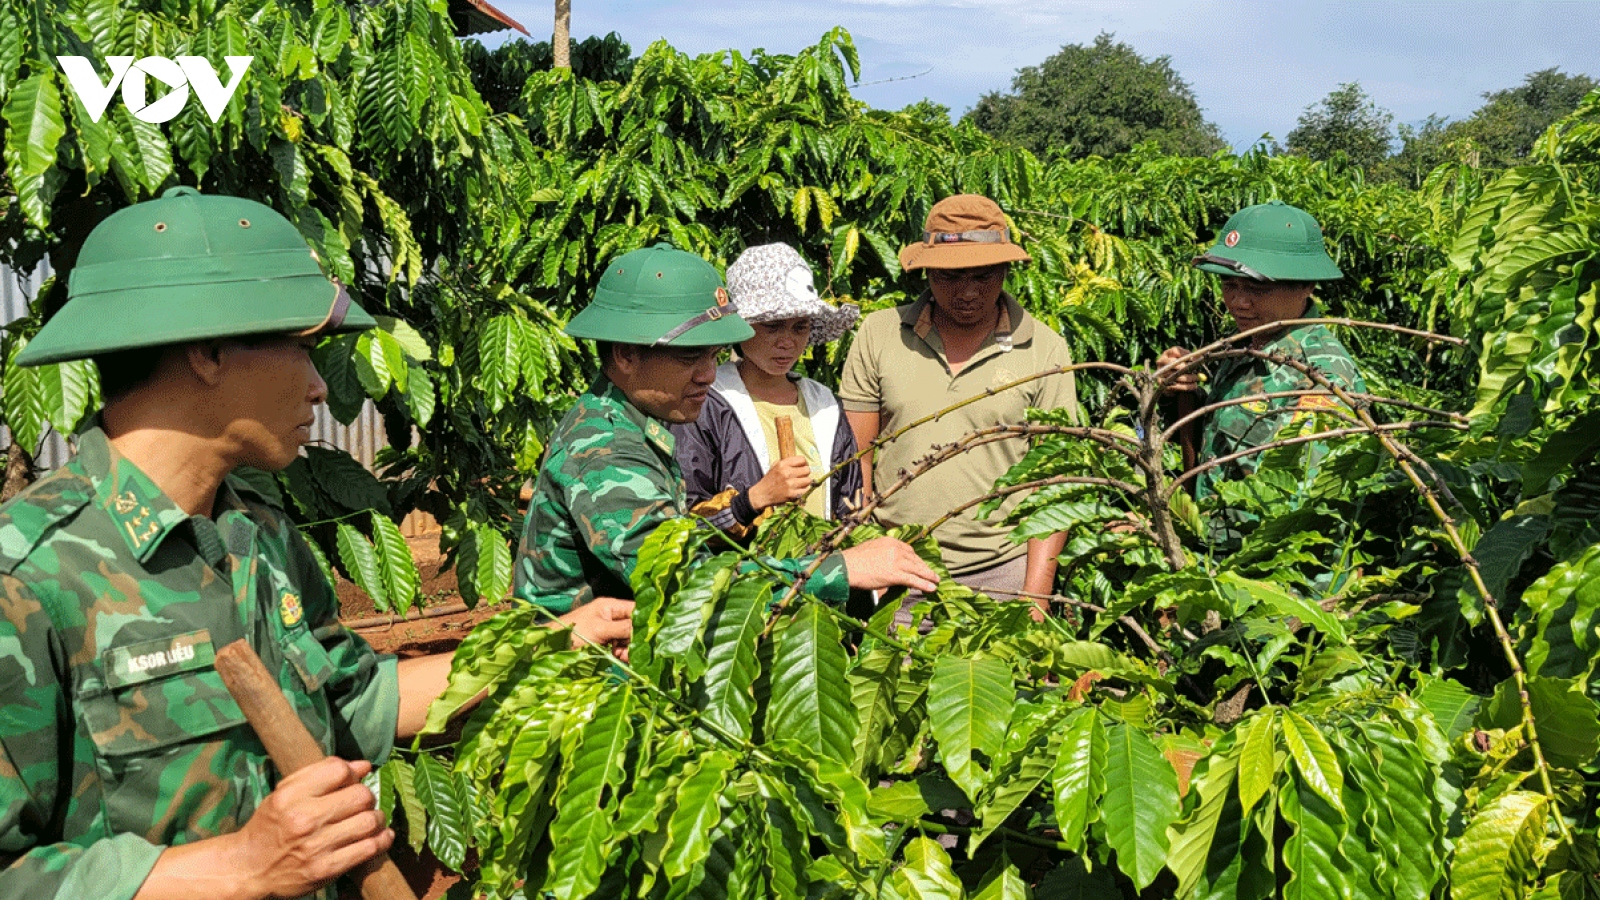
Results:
773 282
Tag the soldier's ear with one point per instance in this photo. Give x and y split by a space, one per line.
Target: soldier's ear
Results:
625 357
205 361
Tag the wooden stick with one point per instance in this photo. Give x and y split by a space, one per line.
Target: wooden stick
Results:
785 427
1186 433
292 748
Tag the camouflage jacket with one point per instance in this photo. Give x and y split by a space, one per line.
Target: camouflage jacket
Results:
608 479
1256 422
118 735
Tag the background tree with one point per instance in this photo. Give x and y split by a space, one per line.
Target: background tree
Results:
1499 134
1098 100
1362 725
1347 121
1506 126
1424 148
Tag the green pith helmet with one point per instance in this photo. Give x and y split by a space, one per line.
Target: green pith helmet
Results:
661 296
1272 241
191 267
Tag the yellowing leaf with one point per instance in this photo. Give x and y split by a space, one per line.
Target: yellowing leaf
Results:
1257 760
1314 758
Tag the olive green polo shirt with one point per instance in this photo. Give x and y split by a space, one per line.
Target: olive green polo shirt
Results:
897 368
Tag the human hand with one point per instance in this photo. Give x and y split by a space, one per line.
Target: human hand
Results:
603 620
788 479
1188 381
888 562
319 823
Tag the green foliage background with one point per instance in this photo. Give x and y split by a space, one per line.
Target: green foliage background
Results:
1353 727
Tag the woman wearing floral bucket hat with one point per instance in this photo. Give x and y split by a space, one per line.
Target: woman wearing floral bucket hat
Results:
730 455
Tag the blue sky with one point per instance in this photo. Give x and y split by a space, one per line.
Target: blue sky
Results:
1254 66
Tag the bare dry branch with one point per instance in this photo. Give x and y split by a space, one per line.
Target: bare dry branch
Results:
1105 437
1334 433
1278 395
1165 374
961 404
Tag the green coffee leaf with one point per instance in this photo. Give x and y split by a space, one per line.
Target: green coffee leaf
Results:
483 566
1317 866
1258 767
698 810
405 786
969 703
724 694
1452 706
34 127
926 874
361 561
810 696
398 569
1079 777
1498 855
1566 604
1141 801
448 823
581 835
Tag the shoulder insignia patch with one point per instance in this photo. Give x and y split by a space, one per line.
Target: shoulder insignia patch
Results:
290 611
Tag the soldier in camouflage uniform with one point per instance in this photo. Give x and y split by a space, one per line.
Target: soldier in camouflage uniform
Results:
126 769
1270 258
660 317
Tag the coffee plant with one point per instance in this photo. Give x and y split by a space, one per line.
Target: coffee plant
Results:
1362 672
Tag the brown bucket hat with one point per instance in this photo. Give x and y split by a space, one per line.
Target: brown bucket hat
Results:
962 232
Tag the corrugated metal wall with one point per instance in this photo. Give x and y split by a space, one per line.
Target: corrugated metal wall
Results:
361 438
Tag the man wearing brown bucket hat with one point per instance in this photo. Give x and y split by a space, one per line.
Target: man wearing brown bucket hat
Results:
965 335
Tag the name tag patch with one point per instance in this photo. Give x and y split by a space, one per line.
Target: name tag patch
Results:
148 660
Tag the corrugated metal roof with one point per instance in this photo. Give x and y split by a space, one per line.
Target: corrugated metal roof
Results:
361 439
479 17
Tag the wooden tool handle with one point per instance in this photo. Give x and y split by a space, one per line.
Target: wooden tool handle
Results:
785 436
292 748
1186 436
290 745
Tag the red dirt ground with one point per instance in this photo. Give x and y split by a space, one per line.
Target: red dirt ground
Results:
422 636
